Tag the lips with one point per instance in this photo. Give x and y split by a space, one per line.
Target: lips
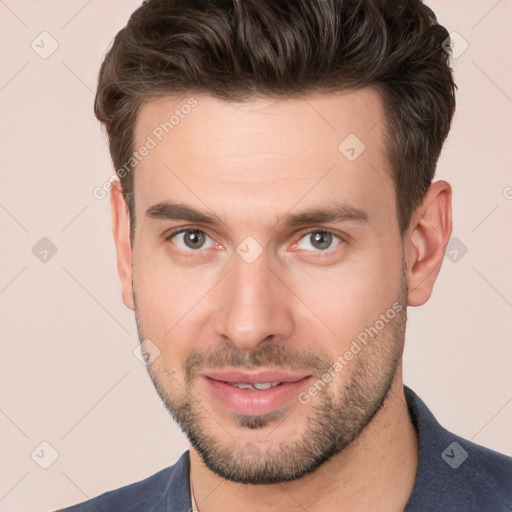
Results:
260 376
254 393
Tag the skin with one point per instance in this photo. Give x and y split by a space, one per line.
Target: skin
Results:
251 165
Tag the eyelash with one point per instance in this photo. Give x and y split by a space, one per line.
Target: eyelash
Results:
302 235
330 250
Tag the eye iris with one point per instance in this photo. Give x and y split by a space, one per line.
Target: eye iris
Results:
321 240
194 239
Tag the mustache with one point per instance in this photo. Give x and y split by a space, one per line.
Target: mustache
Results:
269 356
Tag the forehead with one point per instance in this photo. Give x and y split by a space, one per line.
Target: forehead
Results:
263 153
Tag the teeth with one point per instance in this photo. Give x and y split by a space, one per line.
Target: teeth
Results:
256 385
263 385
243 386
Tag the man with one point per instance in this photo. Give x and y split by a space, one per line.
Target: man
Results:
275 216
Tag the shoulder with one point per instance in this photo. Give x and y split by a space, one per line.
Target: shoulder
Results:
453 473
151 494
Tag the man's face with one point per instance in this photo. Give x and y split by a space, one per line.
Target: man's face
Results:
250 306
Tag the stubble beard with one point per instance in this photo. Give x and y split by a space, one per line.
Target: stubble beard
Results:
334 419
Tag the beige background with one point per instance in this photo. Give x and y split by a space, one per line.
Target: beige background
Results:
68 373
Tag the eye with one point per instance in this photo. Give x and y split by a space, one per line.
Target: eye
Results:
317 240
191 239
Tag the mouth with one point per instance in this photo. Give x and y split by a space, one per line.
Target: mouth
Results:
254 393
257 386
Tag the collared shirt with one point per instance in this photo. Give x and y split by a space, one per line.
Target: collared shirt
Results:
454 475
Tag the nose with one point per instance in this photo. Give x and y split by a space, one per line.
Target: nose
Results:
254 306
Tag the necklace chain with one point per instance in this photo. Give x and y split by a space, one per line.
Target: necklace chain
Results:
192 497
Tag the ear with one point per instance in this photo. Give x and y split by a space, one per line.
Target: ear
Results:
426 240
121 232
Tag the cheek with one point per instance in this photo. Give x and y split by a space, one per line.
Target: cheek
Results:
171 304
162 290
351 298
159 303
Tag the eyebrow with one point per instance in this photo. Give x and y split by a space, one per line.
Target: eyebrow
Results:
168 210
336 213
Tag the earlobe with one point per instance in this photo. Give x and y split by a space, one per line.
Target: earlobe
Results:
121 232
426 240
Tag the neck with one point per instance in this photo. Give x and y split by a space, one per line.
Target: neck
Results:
375 472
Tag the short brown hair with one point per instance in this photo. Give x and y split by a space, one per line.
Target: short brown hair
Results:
240 49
